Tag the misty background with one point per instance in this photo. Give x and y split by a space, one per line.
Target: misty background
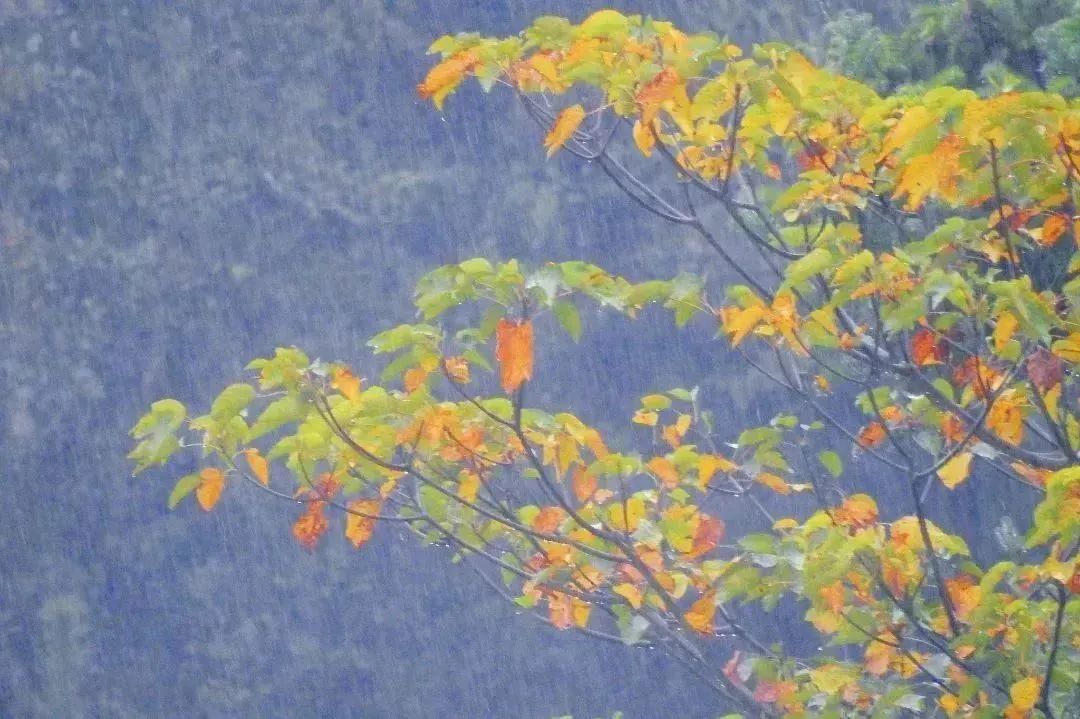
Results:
185 186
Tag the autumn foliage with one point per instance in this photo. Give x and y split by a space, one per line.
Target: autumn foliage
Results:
918 257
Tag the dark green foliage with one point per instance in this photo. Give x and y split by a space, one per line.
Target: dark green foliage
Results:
994 45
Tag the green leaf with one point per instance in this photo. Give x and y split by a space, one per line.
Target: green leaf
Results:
567 314
276 414
814 263
165 415
832 462
605 23
157 430
183 487
232 399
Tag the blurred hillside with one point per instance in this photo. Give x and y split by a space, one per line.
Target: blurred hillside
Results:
184 186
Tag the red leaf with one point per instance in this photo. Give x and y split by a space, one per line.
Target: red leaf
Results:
1044 369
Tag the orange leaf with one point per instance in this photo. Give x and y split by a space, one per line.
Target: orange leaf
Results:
649 419
584 484
1054 227
346 382
209 490
358 529
1038 477
414 379
564 127
444 77
700 615
707 536
665 472
956 470
858 510
925 349
773 482
311 525
514 352
833 594
656 91
953 428
560 610
258 465
872 435
964 594
1006 417
457 368
549 519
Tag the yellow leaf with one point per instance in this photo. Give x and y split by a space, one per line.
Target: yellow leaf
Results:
514 352
937 172
581 611
258 465
346 382
630 592
1068 349
1004 330
950 704
709 464
358 529
626 516
209 490
700 615
956 470
468 485
1025 693
566 123
831 678
740 322
914 121
644 138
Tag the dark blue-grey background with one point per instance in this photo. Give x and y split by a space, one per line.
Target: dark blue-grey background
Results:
184 186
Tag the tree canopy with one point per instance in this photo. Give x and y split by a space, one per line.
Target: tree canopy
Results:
913 256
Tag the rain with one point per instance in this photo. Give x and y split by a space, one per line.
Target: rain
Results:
185 187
